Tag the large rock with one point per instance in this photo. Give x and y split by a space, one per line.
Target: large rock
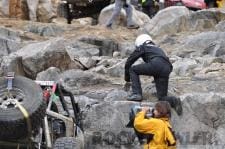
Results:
221 26
10 41
106 45
37 57
11 63
205 113
215 70
35 10
76 79
164 21
126 48
200 44
44 30
184 66
40 10
105 126
51 74
45 11
4 7
168 21
83 53
116 70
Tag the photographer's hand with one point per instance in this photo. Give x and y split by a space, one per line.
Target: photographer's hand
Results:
145 109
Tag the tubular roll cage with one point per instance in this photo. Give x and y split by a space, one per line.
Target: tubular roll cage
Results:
71 122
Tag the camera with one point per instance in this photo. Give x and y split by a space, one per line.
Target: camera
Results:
138 108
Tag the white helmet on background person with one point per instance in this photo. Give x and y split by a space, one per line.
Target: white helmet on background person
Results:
142 39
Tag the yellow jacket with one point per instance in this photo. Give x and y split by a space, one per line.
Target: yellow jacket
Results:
220 3
159 127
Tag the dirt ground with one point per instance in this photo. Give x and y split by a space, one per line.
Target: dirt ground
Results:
76 29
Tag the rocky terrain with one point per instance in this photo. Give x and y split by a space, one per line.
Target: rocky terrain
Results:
89 60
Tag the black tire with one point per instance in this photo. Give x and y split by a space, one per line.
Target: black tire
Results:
65 143
13 125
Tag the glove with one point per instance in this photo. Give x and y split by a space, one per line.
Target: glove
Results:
127 86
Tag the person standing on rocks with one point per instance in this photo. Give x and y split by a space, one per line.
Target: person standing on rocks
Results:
148 7
156 64
158 126
119 4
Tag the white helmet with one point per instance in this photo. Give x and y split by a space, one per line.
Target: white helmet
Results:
142 39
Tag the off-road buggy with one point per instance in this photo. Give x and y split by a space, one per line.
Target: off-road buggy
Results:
35 115
73 9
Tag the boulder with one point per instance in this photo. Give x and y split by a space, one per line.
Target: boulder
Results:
44 29
50 74
10 41
45 11
205 113
37 57
168 21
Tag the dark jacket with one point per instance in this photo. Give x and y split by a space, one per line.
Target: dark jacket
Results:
147 52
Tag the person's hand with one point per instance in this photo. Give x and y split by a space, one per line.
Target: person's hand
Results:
127 86
145 109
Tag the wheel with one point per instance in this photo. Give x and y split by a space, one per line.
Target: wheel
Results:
13 125
65 143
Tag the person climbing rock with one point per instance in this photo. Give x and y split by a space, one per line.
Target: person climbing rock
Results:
156 64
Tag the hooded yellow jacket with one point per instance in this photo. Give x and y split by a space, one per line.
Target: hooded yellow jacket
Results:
220 3
159 127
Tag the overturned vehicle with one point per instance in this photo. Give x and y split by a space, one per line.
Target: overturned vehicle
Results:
34 115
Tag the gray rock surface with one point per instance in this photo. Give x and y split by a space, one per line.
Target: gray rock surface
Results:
194 42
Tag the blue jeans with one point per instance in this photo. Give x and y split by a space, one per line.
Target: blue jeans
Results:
119 4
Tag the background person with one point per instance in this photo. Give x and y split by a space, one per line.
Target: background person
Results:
119 4
150 7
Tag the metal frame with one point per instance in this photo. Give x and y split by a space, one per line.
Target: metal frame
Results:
70 122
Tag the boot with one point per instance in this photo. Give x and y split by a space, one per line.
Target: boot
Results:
178 106
134 97
109 26
174 102
134 26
